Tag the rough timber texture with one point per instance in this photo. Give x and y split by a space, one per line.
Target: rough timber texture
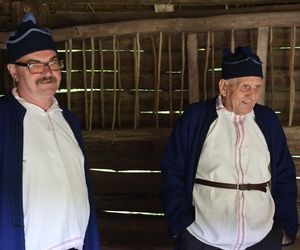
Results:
119 191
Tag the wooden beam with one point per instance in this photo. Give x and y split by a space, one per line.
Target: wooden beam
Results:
192 48
163 8
160 134
292 73
176 25
191 25
262 52
176 2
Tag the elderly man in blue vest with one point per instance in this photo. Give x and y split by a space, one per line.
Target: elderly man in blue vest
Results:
228 179
45 191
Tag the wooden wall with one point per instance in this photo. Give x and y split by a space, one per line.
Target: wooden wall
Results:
126 177
128 83
137 74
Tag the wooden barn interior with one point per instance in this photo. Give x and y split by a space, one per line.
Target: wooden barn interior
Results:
131 68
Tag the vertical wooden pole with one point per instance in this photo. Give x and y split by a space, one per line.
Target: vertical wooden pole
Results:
115 84
271 67
291 73
67 65
213 63
170 81
119 83
182 70
206 65
68 47
192 47
69 82
137 60
262 52
157 89
92 82
102 118
86 108
232 41
155 78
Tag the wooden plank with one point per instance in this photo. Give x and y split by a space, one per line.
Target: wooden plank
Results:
192 48
192 25
262 51
127 135
124 183
291 72
181 2
147 203
124 155
133 232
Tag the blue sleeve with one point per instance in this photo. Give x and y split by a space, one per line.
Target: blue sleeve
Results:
178 212
284 186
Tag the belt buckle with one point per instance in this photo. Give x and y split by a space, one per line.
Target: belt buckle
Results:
238 187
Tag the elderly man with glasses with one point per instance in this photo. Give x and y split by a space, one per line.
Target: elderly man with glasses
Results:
45 190
228 179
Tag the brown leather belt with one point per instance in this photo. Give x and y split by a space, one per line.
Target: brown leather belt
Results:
259 187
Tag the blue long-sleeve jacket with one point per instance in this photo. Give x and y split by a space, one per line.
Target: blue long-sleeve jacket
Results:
180 159
11 158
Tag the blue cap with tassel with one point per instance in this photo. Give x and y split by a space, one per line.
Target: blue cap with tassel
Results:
27 39
241 63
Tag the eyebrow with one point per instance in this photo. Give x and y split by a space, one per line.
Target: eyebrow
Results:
37 61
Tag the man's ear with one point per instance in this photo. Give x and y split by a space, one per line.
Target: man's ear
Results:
223 87
12 71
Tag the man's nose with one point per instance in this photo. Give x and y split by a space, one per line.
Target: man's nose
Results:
253 93
47 70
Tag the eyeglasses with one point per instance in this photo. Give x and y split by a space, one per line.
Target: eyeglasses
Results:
39 67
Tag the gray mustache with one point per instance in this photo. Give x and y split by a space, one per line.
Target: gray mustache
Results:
46 79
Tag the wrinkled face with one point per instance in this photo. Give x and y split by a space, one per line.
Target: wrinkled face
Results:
36 86
239 95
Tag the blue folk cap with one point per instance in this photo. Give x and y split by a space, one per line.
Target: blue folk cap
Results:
27 39
241 63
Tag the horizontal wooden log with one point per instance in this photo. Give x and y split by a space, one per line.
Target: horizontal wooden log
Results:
142 203
125 183
193 25
176 2
222 40
134 232
140 152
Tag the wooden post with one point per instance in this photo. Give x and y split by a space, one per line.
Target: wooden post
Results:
182 70
92 82
232 41
192 47
115 85
157 87
68 49
271 67
137 62
119 83
154 76
213 63
262 52
206 65
102 84
170 80
291 74
86 107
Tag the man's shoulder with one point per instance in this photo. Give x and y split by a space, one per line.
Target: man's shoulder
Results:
5 100
199 107
264 111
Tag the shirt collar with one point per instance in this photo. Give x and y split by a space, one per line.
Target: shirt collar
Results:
53 106
220 106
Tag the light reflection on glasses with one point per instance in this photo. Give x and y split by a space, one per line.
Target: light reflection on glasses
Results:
39 67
